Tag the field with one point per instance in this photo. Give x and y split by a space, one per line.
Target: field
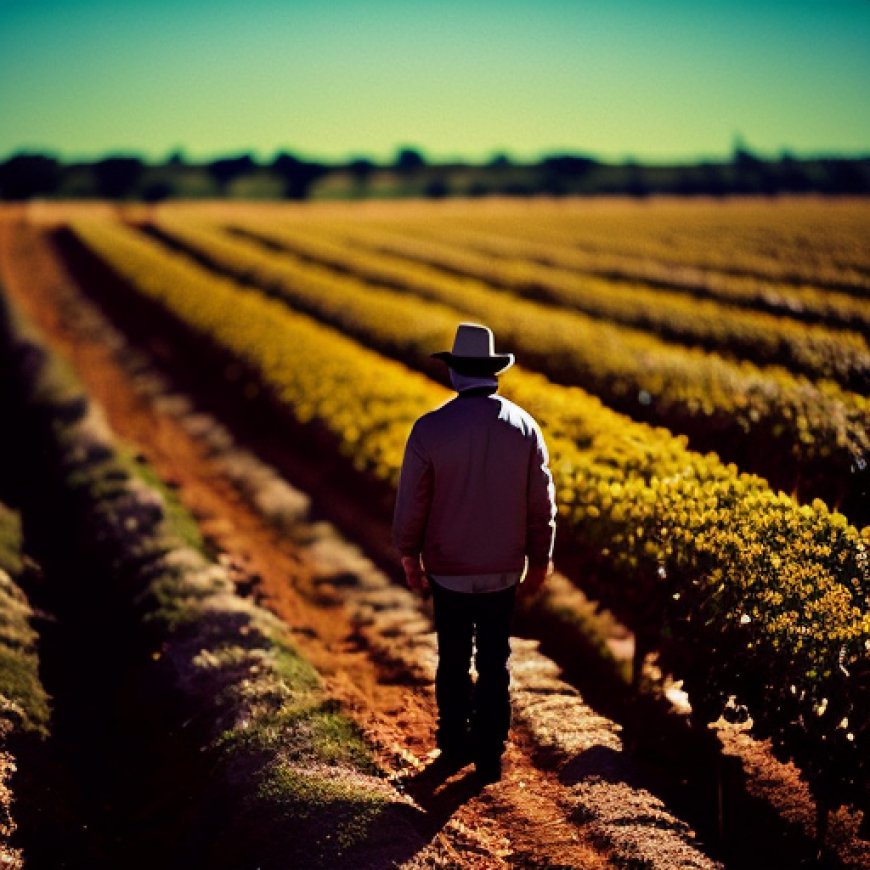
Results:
206 407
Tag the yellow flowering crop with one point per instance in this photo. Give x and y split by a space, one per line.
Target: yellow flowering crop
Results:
812 434
746 593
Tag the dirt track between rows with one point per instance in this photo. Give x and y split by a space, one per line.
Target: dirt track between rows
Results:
373 647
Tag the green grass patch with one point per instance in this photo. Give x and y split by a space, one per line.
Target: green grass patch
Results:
177 516
344 809
19 683
289 665
308 732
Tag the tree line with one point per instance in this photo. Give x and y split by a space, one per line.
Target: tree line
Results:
27 175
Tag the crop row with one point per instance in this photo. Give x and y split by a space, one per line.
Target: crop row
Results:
751 596
292 780
532 244
798 242
801 435
813 350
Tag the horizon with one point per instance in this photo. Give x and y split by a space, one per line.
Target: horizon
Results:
625 80
386 162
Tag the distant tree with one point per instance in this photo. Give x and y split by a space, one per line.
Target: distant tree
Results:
225 170
117 177
713 181
562 173
635 179
361 169
742 156
687 181
409 160
845 176
176 158
499 161
752 174
792 174
297 175
24 176
568 165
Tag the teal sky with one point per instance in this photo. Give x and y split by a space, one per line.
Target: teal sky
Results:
650 79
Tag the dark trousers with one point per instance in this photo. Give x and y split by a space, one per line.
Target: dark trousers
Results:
479 711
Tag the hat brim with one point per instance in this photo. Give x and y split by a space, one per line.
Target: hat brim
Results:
477 365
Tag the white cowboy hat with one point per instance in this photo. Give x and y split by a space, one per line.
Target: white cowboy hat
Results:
474 352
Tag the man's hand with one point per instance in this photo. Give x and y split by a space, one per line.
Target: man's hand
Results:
414 576
534 579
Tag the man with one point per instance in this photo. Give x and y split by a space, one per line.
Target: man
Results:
475 515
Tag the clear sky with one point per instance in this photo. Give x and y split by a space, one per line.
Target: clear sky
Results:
651 79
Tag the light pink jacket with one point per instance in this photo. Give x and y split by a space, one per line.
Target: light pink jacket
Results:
475 494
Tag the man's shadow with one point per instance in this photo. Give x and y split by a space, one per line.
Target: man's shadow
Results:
441 787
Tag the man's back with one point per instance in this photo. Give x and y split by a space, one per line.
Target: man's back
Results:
475 494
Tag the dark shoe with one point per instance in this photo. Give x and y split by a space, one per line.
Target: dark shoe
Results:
488 769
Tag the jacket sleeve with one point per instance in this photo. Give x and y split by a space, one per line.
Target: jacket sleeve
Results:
541 505
414 498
